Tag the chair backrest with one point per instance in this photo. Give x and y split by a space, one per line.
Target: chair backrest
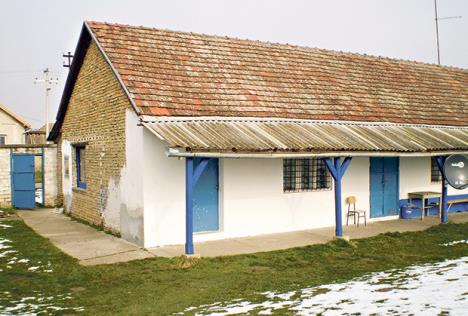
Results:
351 200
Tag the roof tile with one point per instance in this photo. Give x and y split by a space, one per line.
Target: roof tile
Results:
184 74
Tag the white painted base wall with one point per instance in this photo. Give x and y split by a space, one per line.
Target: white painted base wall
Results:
251 197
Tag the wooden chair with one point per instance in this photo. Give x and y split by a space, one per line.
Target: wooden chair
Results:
351 200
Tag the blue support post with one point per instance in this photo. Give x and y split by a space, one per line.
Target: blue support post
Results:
440 163
191 178
338 211
189 205
337 170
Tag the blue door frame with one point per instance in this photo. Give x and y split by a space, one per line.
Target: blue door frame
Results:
22 181
384 186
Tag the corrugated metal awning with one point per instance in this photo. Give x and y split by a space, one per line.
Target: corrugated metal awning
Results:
240 136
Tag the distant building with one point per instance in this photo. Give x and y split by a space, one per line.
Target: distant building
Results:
37 136
12 127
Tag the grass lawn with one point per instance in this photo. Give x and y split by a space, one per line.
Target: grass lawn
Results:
160 286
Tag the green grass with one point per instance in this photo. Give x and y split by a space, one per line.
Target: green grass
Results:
8 210
161 286
38 176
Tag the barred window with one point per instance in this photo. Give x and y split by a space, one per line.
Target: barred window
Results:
309 174
436 176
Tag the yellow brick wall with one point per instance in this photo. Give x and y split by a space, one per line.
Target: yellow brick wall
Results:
96 117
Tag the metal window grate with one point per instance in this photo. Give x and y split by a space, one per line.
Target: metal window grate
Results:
436 176
308 174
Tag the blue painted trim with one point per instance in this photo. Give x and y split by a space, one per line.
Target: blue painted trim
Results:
440 163
199 169
43 176
11 178
345 165
80 184
415 212
338 210
337 170
189 184
331 168
12 156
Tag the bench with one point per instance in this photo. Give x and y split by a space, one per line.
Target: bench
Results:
449 203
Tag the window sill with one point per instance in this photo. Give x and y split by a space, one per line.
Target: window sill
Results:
308 191
78 189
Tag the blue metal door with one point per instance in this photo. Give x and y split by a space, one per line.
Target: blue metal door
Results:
205 198
383 187
23 188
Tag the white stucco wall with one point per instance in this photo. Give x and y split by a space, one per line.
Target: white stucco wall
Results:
121 204
13 130
415 175
252 201
251 197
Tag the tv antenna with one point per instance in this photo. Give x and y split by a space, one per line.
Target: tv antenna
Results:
437 19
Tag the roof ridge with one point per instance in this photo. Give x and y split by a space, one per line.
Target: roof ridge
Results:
284 45
15 116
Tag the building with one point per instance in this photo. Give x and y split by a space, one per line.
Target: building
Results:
38 136
169 137
12 127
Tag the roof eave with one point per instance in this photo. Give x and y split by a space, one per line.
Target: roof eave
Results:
175 152
86 36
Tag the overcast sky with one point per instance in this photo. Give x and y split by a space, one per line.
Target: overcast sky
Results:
35 33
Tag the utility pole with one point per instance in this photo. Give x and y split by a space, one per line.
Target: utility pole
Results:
47 83
437 19
67 63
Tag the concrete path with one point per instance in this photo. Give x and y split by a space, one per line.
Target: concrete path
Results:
92 247
272 242
88 245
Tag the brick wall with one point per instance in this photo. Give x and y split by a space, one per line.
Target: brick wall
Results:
96 118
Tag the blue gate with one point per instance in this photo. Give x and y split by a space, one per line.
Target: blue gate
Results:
22 181
384 186
205 198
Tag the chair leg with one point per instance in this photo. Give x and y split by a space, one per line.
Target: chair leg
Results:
357 220
365 219
347 219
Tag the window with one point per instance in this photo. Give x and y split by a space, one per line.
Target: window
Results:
436 176
309 174
80 166
2 139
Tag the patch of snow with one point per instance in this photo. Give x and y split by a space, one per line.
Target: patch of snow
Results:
420 289
455 242
34 305
33 268
12 257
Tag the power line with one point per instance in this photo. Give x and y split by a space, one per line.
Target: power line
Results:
47 83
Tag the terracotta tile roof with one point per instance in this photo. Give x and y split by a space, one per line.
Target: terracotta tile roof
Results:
183 74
